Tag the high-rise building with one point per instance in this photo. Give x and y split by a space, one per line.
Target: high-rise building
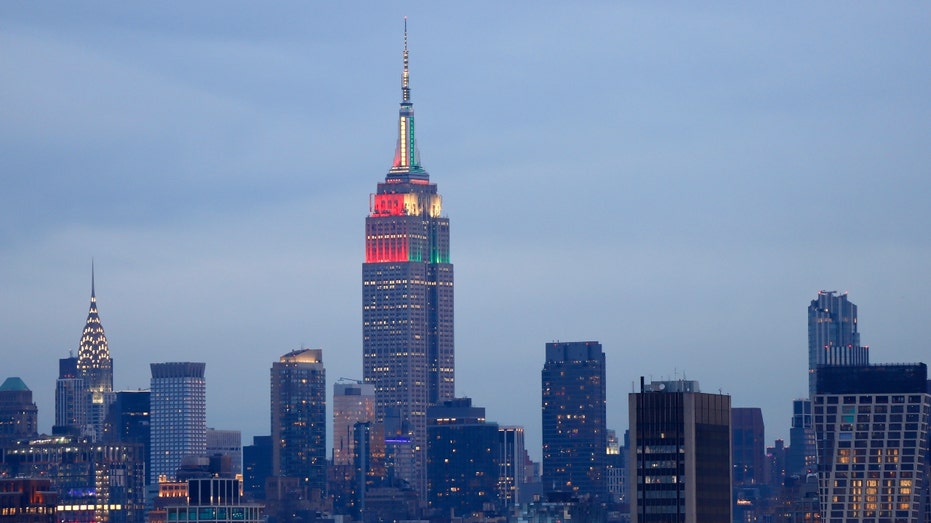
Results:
748 446
298 418
256 466
18 413
70 399
462 460
680 454
178 416
226 443
512 455
407 295
95 367
801 456
871 427
833 338
128 421
574 419
352 403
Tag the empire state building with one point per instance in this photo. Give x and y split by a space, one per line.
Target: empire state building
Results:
407 300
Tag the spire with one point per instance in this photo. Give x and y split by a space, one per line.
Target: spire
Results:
94 361
406 166
405 75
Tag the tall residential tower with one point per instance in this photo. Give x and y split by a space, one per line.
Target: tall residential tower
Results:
407 296
298 417
833 338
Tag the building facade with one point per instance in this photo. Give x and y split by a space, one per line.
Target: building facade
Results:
833 338
462 461
574 419
178 423
128 421
680 454
407 297
748 454
298 418
871 426
18 413
94 482
352 403
70 399
512 464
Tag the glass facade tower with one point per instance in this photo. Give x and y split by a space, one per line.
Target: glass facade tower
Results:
833 338
298 417
407 297
575 435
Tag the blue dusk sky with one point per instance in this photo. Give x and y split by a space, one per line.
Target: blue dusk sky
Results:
672 180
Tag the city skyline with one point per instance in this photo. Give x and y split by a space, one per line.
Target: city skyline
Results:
677 184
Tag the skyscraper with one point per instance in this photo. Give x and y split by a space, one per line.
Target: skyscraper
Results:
511 465
95 366
407 295
128 421
70 399
833 338
298 417
179 416
871 426
680 454
748 453
574 419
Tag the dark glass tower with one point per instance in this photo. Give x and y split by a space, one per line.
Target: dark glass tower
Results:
407 296
833 338
298 417
463 453
575 435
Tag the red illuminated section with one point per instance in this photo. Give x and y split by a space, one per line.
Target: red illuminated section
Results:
391 205
379 249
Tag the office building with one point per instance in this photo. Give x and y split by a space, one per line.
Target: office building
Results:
833 338
353 402
256 466
407 295
18 413
748 455
574 419
216 500
680 454
512 465
226 443
462 460
801 456
128 421
871 427
178 416
298 418
95 367
70 399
